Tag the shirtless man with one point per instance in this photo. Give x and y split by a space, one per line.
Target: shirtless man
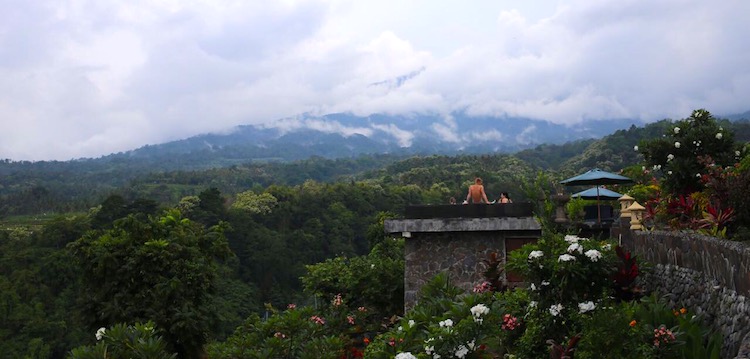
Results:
476 193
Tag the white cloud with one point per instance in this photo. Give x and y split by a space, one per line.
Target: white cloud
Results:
403 137
86 78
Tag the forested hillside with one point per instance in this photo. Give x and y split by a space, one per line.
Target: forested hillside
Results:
59 187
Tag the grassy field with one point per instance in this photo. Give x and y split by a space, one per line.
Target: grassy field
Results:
30 222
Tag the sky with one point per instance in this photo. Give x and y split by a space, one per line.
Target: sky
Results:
86 78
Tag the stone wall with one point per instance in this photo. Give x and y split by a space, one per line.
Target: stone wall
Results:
708 275
459 254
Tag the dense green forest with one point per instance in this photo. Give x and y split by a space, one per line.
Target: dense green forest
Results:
244 234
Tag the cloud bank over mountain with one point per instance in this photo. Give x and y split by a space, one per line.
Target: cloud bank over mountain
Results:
84 78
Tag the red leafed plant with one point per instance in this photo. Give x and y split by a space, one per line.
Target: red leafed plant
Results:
494 273
557 351
685 209
715 220
624 278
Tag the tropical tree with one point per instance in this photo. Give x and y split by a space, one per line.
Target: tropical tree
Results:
161 269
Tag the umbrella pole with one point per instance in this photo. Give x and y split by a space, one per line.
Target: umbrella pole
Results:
598 208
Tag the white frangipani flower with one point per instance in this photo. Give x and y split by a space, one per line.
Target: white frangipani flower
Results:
676 130
566 258
555 309
462 351
535 254
719 136
100 333
407 355
670 157
677 145
575 247
571 238
593 255
586 307
479 310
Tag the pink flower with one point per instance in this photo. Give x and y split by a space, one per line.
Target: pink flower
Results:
291 306
482 287
662 335
337 300
279 335
350 319
362 309
318 320
509 322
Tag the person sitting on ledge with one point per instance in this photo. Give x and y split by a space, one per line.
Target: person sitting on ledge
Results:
504 198
476 193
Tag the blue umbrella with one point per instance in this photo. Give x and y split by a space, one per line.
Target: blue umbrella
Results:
596 193
596 177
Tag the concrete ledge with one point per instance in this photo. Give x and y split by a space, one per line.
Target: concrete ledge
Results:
461 225
520 209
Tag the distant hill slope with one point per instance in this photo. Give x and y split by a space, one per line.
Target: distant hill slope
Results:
342 135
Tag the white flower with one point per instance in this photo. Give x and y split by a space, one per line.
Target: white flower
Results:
407 355
566 258
400 328
593 255
545 283
669 172
532 304
635 148
571 238
698 175
737 153
575 247
462 351
657 167
479 310
471 345
670 157
676 130
535 254
677 145
446 323
555 309
100 333
429 349
606 246
719 136
533 287
372 266
411 323
643 168
586 307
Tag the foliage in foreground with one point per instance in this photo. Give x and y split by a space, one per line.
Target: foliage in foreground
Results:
359 296
568 309
125 342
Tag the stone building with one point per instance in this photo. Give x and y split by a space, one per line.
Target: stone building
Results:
457 238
